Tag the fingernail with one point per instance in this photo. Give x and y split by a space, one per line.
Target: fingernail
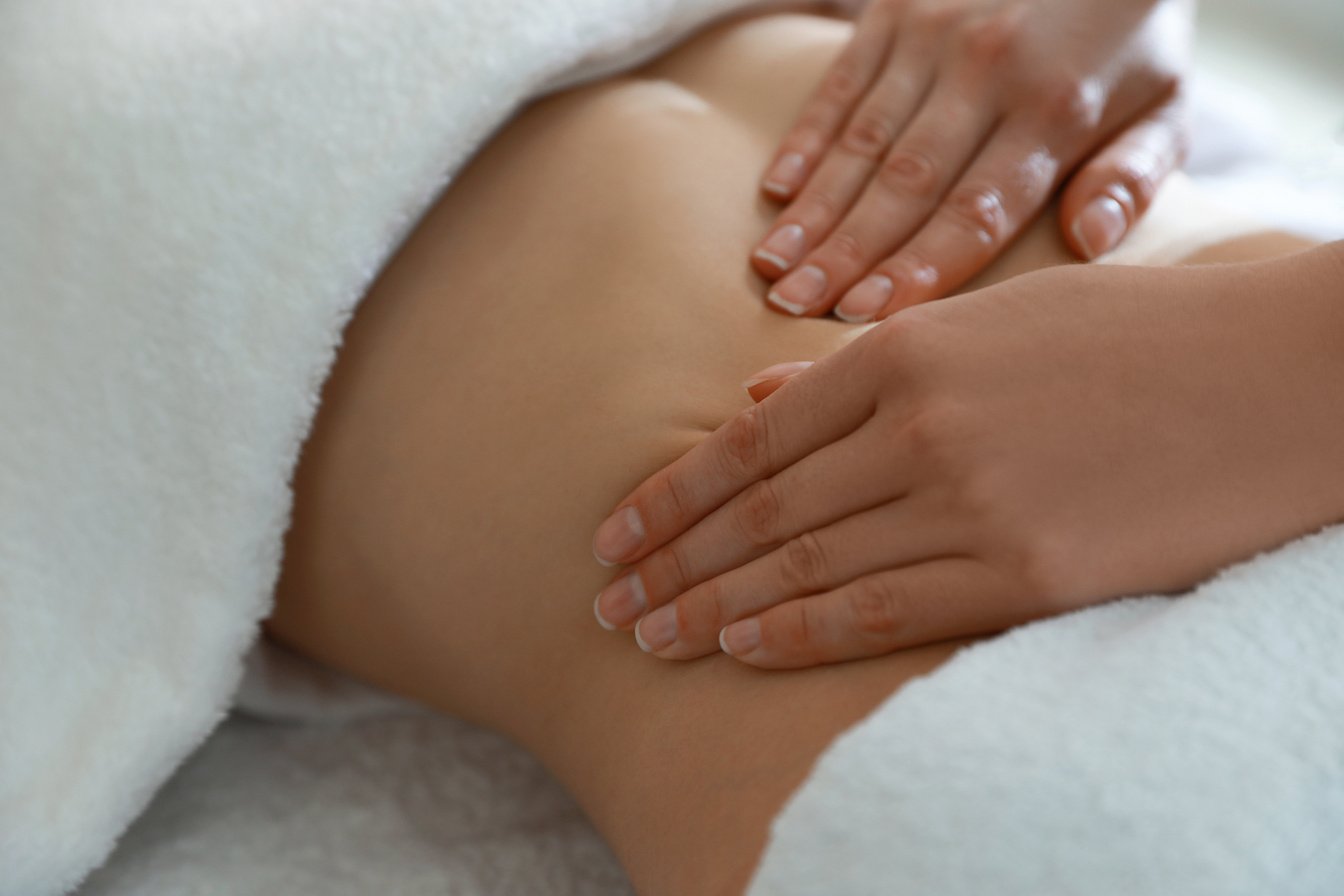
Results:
620 535
740 638
621 602
784 177
776 372
597 612
1100 226
800 290
764 384
657 630
862 303
783 247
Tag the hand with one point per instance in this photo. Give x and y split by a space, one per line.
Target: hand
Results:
1050 442
946 125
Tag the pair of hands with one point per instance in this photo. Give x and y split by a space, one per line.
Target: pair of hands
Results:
1058 439
934 478
945 126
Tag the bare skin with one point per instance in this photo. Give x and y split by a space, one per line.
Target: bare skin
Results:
943 128
573 314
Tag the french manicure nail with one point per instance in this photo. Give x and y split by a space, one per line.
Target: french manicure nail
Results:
800 290
597 612
776 372
620 535
784 177
782 247
1100 226
657 630
740 638
621 602
862 303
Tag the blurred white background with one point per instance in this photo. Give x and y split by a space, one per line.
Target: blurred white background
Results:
1290 53
1269 80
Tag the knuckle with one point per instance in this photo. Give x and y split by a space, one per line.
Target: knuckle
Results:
933 17
877 607
934 437
667 570
677 500
813 129
1042 564
758 514
786 629
702 610
816 206
1073 107
805 564
910 173
867 136
972 495
990 40
1032 176
744 447
1137 173
846 248
901 341
802 627
979 211
842 84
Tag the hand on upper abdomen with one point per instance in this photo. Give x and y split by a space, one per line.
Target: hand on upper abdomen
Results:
945 127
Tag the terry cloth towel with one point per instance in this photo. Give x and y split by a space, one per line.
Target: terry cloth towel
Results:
1189 746
193 196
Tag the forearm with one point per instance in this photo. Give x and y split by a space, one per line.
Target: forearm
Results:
1288 317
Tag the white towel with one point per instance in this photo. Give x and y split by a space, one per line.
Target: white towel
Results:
1154 747
193 196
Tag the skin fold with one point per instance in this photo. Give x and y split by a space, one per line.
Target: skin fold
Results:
573 314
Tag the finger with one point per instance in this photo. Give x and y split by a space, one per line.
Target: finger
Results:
850 161
813 409
845 82
830 484
879 614
905 189
890 536
1112 191
1002 191
762 390
761 385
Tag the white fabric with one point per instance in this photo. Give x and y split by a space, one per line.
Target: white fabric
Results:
414 804
1155 746
193 195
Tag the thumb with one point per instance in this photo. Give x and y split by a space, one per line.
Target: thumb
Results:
1112 191
763 384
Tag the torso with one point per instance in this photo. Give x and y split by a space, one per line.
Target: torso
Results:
576 311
